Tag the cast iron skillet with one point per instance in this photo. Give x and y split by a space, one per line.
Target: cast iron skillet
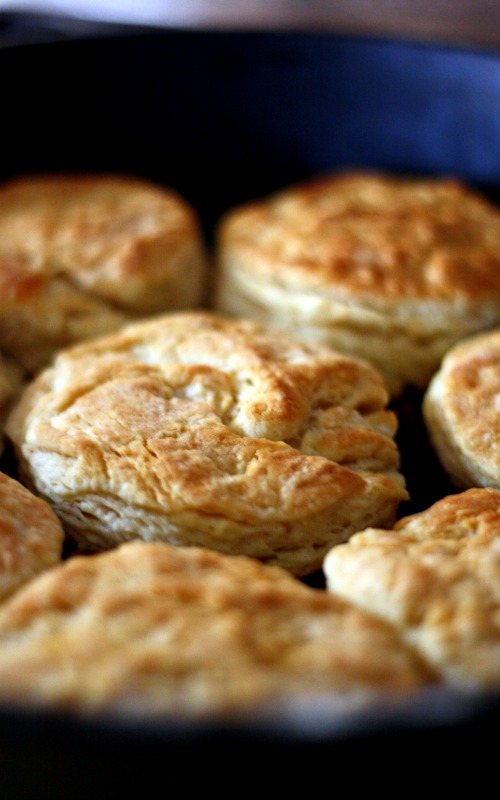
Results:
223 117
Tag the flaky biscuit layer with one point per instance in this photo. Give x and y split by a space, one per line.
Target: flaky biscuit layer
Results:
149 628
204 431
461 408
436 579
81 255
392 269
31 536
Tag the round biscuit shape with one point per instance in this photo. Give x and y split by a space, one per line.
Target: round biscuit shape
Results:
82 254
198 430
436 578
393 269
460 409
151 629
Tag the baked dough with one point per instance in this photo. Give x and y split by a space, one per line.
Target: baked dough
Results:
31 536
394 269
82 254
436 579
461 408
150 629
198 430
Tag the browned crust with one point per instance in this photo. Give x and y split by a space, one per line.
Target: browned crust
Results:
149 628
213 432
435 577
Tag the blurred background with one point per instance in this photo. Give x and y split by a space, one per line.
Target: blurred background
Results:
456 21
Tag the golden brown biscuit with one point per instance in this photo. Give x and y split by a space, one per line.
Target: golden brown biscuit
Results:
80 255
436 579
31 536
204 431
461 408
151 628
392 269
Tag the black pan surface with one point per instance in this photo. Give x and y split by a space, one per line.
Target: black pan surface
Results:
223 117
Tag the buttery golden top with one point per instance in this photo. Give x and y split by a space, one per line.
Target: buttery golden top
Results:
31 536
436 578
80 254
201 430
110 234
149 628
461 408
373 236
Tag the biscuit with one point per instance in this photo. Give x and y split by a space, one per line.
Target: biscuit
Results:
149 628
198 430
436 578
394 269
460 409
81 255
31 536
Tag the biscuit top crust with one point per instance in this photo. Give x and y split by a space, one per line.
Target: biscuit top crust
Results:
371 235
31 536
151 628
190 413
461 408
436 578
112 236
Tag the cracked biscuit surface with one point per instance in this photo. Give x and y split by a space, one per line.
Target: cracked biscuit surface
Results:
460 410
149 628
436 579
31 536
394 269
198 430
81 255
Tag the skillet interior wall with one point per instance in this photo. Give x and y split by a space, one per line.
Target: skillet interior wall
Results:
228 116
